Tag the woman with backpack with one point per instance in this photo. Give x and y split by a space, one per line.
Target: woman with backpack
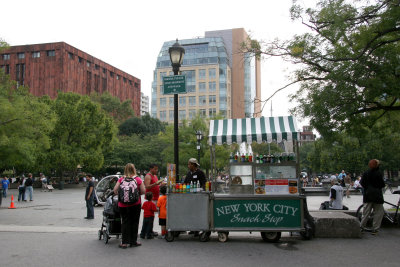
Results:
129 188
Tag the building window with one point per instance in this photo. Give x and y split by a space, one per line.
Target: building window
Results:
212 73
88 82
88 63
80 60
192 113
70 55
203 113
202 100
171 115
104 84
212 100
182 114
212 112
6 57
163 102
202 74
202 87
20 74
130 82
192 101
6 69
136 85
117 77
104 70
212 86
21 55
124 80
171 102
182 101
97 67
111 74
35 54
51 53
163 115
96 82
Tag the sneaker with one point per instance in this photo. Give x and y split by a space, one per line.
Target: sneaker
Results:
374 232
363 230
161 237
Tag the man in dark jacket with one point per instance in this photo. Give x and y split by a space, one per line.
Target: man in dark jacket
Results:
372 182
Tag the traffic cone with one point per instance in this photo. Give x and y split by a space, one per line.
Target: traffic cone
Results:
12 202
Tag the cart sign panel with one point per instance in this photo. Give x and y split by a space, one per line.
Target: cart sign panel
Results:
252 213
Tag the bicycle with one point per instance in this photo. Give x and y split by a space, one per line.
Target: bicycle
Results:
388 185
392 218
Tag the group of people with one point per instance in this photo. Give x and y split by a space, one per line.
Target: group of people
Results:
372 184
156 201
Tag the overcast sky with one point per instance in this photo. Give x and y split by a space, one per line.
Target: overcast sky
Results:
129 34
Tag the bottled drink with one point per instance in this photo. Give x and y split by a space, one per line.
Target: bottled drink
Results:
194 187
250 158
246 159
243 157
207 186
231 158
257 159
191 187
184 188
198 186
180 188
236 157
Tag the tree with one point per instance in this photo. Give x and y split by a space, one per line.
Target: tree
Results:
144 125
113 106
348 67
25 124
82 134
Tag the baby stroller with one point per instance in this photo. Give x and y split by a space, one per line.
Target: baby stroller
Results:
111 224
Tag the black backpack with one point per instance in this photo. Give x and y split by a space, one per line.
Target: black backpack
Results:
128 192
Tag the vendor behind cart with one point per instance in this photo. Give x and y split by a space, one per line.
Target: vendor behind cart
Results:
195 174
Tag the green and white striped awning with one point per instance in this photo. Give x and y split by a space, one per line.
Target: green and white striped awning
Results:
264 129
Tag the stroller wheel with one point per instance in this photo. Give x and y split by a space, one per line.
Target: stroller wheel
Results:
100 233
106 237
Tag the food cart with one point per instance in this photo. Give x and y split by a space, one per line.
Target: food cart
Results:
261 195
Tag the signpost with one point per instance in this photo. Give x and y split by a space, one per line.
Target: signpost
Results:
174 84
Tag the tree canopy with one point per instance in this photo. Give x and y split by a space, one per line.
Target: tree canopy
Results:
348 64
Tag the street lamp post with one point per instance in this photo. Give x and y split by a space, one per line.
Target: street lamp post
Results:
199 136
176 53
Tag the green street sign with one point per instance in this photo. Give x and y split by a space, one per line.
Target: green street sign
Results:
174 84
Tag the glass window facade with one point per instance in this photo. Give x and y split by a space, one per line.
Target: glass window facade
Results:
202 74
163 102
171 102
192 101
212 100
182 101
202 100
202 87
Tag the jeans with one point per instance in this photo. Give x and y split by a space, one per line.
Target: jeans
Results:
5 192
130 217
29 190
21 193
89 208
147 227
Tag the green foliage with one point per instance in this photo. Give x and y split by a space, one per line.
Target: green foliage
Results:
25 122
347 65
144 125
113 106
82 134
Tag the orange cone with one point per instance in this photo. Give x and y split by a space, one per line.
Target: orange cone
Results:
12 202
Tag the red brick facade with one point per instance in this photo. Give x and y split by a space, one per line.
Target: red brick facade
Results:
47 68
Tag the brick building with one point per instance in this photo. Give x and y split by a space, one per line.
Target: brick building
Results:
47 68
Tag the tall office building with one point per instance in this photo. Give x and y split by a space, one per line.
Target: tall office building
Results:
144 105
219 79
47 68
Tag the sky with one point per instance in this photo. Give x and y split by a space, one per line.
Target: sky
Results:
129 34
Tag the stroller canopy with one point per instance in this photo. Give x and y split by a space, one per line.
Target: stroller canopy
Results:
263 129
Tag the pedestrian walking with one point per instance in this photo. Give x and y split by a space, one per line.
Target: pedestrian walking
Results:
89 196
347 183
5 184
372 182
29 187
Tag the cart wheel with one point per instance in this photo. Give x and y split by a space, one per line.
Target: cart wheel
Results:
105 237
271 237
222 237
100 233
169 236
205 236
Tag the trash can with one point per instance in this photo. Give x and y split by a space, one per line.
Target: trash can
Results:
61 185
